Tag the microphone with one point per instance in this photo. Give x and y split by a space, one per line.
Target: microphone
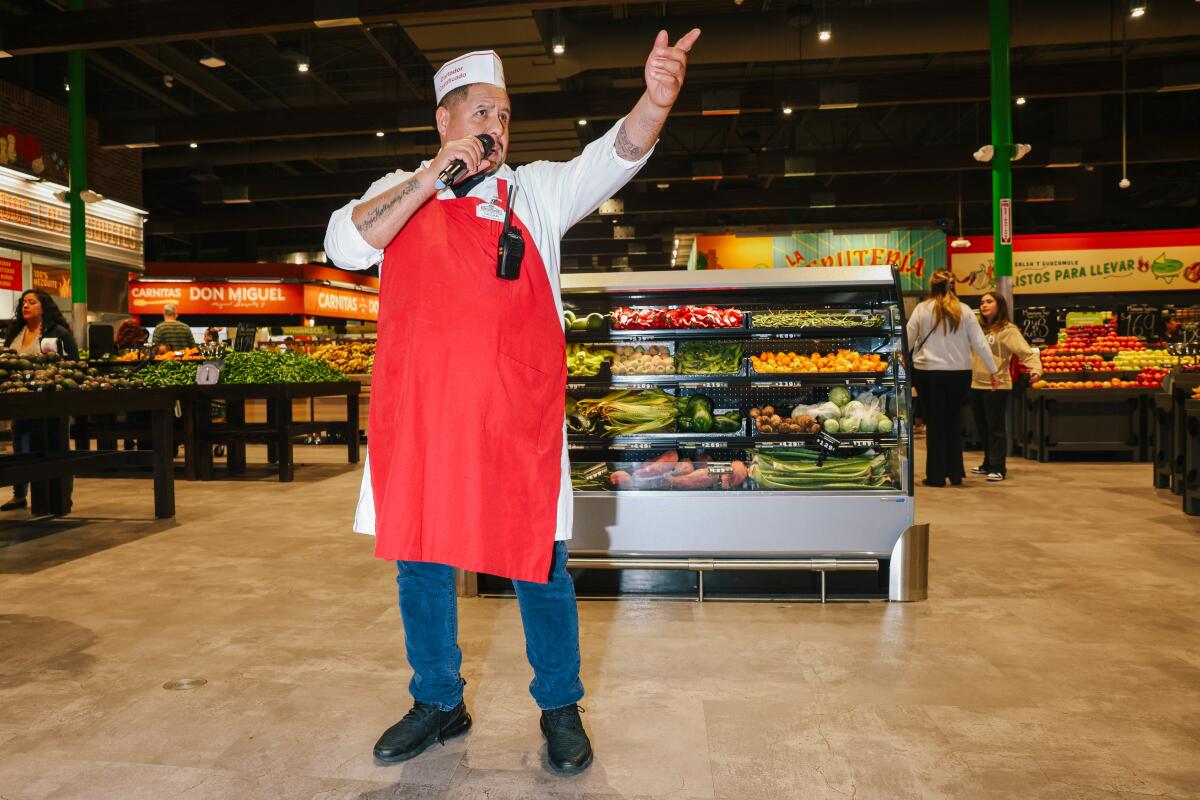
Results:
456 167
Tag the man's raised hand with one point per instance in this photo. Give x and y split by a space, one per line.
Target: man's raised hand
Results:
666 67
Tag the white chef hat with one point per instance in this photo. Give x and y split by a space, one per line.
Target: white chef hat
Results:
482 66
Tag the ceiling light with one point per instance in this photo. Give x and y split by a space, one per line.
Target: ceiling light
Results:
1138 8
379 134
582 122
1020 101
302 64
1125 183
824 31
960 243
558 45
1020 151
169 80
193 145
787 110
676 244
984 153
662 185
213 61
66 86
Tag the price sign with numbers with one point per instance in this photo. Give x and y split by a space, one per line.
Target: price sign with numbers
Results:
1036 325
1141 321
1189 334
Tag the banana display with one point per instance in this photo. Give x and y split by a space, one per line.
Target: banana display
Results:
352 358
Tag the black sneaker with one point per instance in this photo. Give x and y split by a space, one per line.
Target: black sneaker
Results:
981 470
567 742
421 727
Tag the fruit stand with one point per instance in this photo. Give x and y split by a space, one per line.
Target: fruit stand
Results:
1190 485
1095 395
742 420
51 463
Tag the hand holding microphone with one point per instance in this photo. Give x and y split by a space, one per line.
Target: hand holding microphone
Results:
462 157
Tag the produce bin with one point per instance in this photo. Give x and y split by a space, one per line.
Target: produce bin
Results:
1190 490
1092 421
1162 440
830 490
1179 387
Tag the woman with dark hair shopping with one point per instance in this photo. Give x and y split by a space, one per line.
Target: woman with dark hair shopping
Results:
943 333
989 404
36 319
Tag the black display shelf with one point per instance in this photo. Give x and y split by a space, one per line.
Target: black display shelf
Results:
660 441
882 378
854 332
848 440
738 334
785 380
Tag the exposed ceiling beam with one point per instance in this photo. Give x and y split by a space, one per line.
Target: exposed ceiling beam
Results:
755 97
677 170
178 20
863 193
880 30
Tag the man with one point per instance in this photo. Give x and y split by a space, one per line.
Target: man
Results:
173 333
468 464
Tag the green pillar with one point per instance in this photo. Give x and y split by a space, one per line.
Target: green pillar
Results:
1002 142
78 164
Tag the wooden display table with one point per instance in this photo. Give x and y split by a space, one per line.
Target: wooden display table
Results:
51 463
278 432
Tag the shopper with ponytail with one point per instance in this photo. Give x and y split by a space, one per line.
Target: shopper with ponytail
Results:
943 333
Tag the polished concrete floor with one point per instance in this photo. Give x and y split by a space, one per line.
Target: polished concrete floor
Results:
1058 656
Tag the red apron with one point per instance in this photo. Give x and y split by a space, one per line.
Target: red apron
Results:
467 398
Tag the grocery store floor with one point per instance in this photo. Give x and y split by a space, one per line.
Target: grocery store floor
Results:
1058 656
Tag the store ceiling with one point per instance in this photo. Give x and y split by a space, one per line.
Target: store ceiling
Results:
288 147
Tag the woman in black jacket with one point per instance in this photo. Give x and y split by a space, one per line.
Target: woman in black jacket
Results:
37 318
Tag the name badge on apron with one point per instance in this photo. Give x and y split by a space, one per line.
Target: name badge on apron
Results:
489 211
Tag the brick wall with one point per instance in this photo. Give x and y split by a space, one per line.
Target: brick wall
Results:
34 138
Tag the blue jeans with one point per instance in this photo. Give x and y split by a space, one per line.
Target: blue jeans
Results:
429 609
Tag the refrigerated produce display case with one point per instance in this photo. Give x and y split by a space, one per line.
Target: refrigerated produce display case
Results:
748 419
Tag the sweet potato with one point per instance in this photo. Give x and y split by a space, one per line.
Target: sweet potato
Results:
621 479
697 479
683 467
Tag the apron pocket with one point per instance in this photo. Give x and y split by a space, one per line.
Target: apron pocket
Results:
522 404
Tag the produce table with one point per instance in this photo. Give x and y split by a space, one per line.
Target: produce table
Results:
1163 439
1190 490
1090 421
52 462
278 432
1181 386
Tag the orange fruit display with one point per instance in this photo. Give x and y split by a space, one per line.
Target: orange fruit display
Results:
841 361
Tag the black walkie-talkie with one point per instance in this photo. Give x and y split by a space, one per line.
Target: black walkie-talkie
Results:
510 250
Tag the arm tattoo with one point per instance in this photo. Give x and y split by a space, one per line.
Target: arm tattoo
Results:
625 148
407 188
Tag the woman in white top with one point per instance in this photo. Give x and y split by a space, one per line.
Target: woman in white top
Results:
943 332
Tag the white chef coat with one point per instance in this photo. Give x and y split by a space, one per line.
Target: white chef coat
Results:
553 196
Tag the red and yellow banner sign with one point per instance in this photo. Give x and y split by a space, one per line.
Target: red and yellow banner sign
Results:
201 299
327 301
10 274
1128 261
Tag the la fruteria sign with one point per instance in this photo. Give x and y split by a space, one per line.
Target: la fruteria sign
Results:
1070 263
201 299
